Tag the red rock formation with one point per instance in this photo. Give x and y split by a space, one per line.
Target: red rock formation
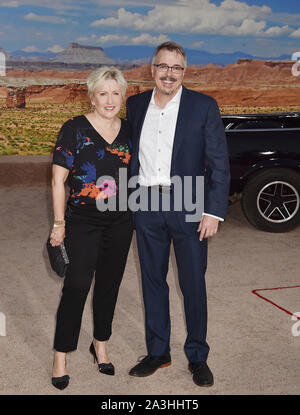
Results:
66 93
132 90
244 72
248 82
58 93
142 73
3 92
48 73
15 97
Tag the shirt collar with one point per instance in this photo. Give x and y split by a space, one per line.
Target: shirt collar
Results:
175 99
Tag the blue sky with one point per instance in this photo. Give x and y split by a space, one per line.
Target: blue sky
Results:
258 27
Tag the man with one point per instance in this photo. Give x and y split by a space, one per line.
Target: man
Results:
176 132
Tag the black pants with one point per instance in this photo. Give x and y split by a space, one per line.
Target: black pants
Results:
96 242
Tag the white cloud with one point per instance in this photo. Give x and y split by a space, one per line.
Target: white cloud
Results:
247 27
231 17
47 19
30 49
111 38
9 3
198 44
55 49
68 13
82 39
277 31
124 19
295 33
142 39
146 39
53 4
286 18
130 2
91 38
79 4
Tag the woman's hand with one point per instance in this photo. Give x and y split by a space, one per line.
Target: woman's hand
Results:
57 235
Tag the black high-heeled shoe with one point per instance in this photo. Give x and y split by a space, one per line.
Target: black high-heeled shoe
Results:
106 368
62 382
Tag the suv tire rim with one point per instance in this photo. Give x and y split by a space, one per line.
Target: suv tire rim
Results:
278 202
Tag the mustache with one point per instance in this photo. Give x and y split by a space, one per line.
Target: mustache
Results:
167 78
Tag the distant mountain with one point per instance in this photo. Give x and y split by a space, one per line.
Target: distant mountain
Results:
197 57
36 56
129 53
194 57
76 53
135 55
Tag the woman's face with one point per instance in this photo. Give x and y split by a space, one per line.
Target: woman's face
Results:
107 99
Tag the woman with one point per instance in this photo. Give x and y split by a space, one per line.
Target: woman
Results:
90 150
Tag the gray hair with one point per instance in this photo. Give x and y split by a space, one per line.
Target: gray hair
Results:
171 46
100 75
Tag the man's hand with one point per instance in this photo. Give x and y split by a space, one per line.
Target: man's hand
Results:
207 227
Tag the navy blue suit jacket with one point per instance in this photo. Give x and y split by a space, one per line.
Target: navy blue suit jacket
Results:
200 146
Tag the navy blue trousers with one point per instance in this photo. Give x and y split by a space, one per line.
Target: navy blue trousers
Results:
154 232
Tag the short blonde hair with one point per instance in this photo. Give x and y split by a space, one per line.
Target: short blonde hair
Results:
100 75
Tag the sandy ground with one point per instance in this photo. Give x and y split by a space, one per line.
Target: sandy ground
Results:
254 344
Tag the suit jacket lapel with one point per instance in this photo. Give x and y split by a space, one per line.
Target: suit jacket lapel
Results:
143 110
181 124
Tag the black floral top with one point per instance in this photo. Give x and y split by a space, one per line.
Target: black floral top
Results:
83 151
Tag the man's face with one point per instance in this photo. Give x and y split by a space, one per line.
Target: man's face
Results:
168 82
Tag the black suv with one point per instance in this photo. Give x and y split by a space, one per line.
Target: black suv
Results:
264 152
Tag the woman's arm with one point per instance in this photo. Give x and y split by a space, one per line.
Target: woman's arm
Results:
59 176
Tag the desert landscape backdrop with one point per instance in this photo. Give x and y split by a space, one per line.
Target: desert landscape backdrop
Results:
35 103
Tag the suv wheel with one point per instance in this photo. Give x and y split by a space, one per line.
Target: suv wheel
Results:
271 200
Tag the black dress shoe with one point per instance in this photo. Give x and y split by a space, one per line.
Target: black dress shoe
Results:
149 365
106 368
62 382
202 375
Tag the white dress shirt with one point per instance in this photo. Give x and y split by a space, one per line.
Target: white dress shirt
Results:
156 143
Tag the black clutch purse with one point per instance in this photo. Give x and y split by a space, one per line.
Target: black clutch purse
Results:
58 258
